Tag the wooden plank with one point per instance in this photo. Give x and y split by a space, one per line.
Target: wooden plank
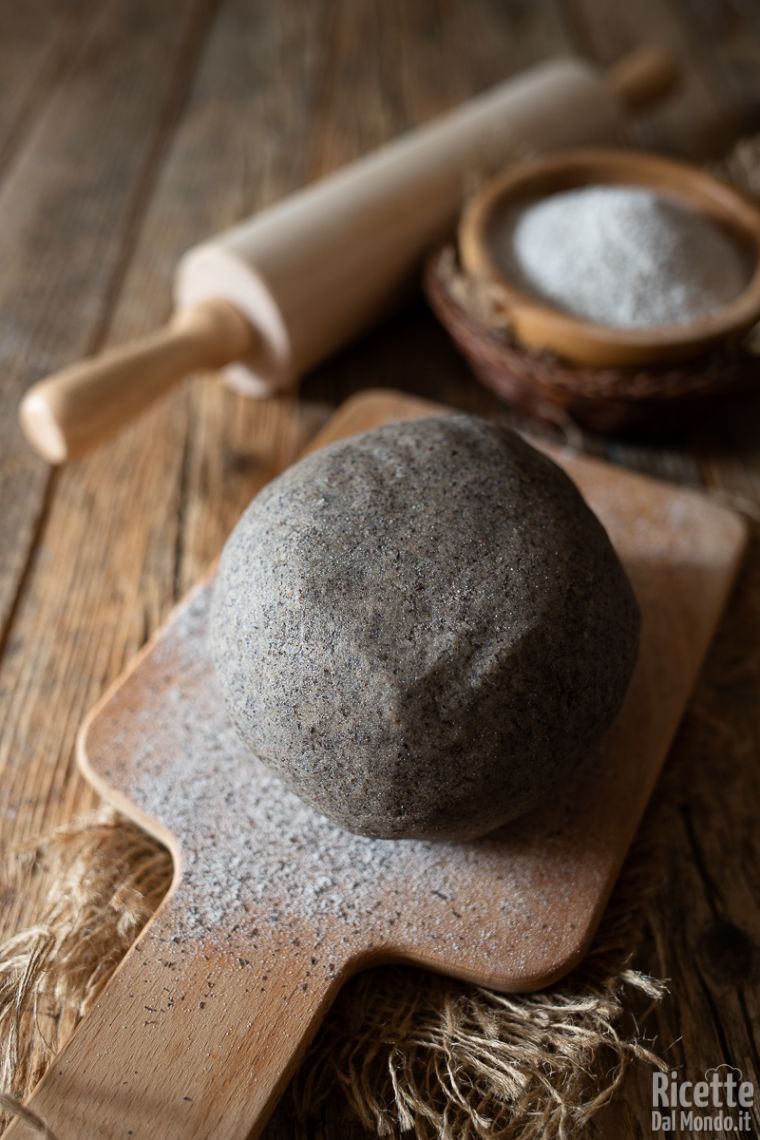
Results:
69 208
37 43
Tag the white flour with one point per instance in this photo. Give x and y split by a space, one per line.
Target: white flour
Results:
621 256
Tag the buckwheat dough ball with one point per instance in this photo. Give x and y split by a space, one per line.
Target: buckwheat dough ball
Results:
422 629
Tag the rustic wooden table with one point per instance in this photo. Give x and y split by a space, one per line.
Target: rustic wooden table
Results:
129 129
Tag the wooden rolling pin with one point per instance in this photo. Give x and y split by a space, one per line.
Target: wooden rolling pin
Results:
270 298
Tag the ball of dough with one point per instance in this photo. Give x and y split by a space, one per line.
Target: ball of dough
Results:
422 629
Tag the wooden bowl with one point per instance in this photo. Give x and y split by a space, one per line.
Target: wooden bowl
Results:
539 326
642 401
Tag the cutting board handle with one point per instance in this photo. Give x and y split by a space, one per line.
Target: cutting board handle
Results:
69 413
185 1042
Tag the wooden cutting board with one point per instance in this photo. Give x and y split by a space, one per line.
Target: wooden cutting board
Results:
272 908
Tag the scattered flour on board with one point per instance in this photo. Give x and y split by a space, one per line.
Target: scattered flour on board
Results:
255 854
620 256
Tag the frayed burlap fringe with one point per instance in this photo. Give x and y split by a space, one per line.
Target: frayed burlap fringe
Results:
402 1050
99 880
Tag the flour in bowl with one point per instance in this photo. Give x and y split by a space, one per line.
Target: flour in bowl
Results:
622 256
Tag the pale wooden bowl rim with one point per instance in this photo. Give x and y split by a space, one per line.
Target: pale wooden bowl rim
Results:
540 326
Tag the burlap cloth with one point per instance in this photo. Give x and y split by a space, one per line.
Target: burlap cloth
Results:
402 1050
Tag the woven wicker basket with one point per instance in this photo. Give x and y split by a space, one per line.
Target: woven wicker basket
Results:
631 401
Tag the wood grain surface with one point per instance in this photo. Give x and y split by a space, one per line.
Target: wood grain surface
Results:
128 131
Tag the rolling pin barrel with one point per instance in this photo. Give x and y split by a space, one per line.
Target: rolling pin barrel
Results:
275 295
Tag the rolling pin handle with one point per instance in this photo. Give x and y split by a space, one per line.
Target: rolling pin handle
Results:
69 413
643 77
